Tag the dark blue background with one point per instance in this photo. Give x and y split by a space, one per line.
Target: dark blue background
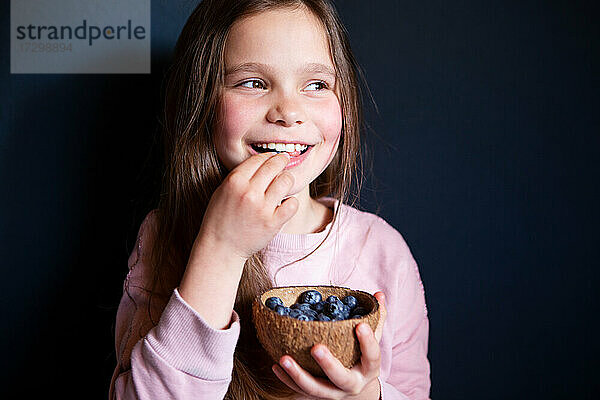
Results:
484 157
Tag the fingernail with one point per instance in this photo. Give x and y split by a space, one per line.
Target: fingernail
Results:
319 353
287 364
363 329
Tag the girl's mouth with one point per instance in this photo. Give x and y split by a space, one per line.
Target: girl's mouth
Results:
298 152
294 150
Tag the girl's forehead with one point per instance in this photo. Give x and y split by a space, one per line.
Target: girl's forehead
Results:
277 37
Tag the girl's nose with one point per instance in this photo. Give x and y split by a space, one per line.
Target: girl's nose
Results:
286 112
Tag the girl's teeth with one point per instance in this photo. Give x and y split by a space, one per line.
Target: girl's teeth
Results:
287 147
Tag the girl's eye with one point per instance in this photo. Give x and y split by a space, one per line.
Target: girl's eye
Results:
317 86
253 84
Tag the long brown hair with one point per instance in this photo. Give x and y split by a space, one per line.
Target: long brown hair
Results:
192 170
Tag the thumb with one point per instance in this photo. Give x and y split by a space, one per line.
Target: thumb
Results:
382 315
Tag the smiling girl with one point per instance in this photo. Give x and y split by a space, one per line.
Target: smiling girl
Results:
262 142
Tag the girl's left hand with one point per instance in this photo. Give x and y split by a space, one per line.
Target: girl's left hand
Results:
343 382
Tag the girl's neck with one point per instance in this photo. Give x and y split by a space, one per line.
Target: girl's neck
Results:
311 216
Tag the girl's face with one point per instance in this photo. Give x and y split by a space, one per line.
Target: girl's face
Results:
279 91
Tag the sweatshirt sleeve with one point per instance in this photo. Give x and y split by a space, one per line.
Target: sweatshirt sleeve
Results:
409 377
181 356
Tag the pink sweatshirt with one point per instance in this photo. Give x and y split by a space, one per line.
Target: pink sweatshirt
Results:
182 357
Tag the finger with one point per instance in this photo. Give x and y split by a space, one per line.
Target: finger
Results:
285 378
266 172
249 166
279 187
309 384
339 375
286 210
370 358
382 315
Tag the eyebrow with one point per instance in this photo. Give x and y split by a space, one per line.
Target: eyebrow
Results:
259 67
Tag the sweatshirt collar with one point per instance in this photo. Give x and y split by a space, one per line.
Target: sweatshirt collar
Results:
294 242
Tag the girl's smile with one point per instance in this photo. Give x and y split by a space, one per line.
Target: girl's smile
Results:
298 152
279 94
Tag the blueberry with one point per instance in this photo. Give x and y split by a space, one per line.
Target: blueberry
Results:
311 313
272 302
319 307
332 299
311 297
282 310
323 317
303 317
337 317
332 308
345 311
360 311
301 306
350 301
295 313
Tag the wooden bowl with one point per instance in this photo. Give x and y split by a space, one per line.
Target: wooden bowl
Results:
281 334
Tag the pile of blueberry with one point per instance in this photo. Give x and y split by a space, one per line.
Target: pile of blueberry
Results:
312 307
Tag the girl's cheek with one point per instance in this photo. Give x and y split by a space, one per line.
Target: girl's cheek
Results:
327 116
329 120
231 126
233 115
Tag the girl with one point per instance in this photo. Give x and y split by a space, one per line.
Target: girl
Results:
261 134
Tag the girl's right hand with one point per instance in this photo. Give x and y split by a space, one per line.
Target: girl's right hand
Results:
242 216
246 211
